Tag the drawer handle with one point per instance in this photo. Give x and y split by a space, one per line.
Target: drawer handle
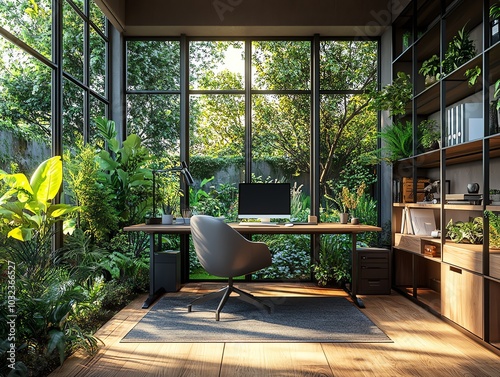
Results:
455 269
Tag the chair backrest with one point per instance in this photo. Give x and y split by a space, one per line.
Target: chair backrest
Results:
224 252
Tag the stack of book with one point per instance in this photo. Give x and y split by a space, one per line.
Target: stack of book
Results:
474 199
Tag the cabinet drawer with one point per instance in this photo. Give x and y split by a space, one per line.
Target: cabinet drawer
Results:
370 272
462 298
465 256
374 287
375 256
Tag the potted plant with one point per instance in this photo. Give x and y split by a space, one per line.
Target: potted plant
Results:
395 96
460 50
398 141
430 70
348 201
466 231
429 134
495 196
170 195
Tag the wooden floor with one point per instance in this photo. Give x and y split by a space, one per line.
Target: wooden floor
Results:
423 345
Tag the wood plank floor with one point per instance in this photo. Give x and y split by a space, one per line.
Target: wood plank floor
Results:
424 345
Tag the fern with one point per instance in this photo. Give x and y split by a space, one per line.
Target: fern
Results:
398 139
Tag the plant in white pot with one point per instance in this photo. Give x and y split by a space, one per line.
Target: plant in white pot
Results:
170 195
495 196
430 70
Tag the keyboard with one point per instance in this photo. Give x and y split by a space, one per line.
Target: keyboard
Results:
252 223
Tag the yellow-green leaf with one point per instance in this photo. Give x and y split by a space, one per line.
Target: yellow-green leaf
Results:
47 179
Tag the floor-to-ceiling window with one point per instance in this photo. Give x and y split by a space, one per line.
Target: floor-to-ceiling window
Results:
348 124
53 77
248 105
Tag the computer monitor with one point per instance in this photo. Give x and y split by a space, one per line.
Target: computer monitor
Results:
264 201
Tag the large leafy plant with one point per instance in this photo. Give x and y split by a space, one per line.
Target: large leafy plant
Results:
27 205
45 292
334 264
460 50
124 170
395 96
89 189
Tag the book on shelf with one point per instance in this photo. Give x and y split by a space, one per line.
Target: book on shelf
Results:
406 224
423 221
464 202
417 221
464 197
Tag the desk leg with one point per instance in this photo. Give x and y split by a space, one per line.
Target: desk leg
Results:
354 284
153 294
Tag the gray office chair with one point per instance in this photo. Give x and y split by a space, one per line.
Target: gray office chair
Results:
224 252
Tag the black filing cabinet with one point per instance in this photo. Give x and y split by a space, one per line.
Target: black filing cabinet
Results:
168 270
374 271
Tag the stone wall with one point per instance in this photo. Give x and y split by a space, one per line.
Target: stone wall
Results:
27 154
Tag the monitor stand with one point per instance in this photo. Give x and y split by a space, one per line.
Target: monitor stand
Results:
264 221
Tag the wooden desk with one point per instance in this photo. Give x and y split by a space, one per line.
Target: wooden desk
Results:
322 228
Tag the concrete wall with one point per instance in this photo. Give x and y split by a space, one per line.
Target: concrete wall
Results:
27 154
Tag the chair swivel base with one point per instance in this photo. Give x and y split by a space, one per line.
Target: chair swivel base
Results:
225 293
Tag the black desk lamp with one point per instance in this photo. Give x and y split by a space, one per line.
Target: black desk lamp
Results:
183 169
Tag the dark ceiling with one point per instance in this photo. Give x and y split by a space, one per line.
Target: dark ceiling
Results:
355 18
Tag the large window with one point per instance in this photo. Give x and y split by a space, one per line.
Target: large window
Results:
246 109
41 114
153 94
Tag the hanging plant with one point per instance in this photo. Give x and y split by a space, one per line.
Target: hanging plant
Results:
395 96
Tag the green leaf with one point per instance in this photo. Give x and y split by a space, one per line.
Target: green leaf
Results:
20 233
106 162
47 179
57 340
58 210
69 226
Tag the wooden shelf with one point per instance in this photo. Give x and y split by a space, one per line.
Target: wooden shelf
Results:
416 205
467 256
463 207
452 283
430 298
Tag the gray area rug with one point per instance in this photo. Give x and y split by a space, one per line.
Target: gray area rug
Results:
294 319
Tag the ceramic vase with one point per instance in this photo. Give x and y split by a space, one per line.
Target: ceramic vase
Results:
343 218
167 219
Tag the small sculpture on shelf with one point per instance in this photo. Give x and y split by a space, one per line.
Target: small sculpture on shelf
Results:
430 190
